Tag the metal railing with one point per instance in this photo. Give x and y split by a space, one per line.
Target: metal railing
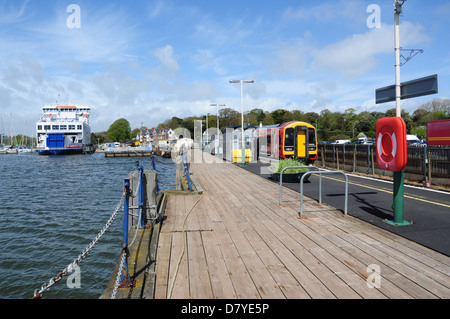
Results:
281 177
320 188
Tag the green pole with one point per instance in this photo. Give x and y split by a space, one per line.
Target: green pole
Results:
398 200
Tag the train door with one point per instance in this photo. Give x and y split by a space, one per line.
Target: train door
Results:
274 144
300 143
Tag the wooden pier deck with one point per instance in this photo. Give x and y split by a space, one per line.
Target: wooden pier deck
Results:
235 241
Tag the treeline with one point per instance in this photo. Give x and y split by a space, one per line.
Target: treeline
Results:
330 125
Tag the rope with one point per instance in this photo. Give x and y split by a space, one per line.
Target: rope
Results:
164 163
45 287
166 183
184 247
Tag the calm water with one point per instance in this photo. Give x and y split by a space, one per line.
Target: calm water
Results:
51 208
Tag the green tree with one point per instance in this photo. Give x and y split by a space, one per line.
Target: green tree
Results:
279 116
258 115
119 131
405 116
229 117
311 117
135 132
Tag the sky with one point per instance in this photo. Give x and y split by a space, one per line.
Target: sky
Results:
148 61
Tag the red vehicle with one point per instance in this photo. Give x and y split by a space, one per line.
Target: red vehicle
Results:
292 140
438 132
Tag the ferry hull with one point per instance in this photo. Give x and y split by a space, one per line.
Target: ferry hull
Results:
66 151
60 152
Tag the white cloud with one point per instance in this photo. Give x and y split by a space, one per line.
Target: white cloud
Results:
357 55
105 35
349 10
206 61
12 15
165 56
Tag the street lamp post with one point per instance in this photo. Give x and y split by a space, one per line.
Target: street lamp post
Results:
242 114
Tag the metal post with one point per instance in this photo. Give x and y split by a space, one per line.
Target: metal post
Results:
320 189
207 134
398 176
242 124
141 193
242 114
125 280
281 178
397 10
187 172
398 204
125 212
154 168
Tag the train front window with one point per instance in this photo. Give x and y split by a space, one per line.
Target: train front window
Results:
311 139
289 139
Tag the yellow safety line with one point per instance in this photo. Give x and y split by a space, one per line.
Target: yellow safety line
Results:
390 191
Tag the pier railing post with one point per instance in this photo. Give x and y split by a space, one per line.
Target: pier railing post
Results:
186 170
154 168
125 280
141 194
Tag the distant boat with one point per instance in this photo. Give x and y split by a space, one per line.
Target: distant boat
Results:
64 130
9 150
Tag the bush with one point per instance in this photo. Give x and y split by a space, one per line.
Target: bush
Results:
281 164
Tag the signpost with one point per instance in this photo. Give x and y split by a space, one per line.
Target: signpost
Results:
397 92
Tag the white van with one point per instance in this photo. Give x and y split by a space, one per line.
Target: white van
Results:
412 139
341 142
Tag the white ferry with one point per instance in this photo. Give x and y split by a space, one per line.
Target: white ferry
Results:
64 130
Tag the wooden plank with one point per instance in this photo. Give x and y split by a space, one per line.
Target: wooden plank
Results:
240 277
180 213
169 214
262 278
388 268
191 212
199 282
434 282
222 286
178 272
359 260
163 265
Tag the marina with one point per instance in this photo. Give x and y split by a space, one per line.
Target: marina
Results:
230 239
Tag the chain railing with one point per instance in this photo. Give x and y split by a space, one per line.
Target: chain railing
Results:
120 275
54 280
